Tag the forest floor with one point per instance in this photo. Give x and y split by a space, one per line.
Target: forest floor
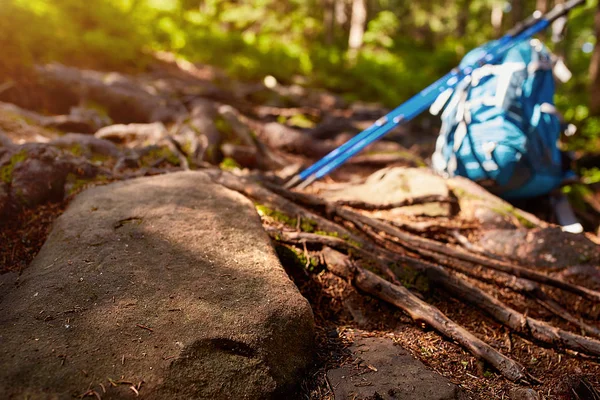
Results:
280 120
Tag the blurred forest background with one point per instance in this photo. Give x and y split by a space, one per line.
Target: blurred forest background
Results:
372 50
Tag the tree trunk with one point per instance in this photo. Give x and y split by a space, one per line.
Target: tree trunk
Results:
518 11
497 15
341 14
595 69
463 18
329 21
559 36
357 27
541 5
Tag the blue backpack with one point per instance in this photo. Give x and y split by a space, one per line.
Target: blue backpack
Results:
500 127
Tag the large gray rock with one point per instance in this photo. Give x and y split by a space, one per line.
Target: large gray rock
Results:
170 281
392 185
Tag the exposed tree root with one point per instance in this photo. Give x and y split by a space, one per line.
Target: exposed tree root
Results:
420 311
392 251
421 245
518 322
361 205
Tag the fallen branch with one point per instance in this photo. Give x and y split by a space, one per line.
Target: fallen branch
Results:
520 285
418 244
496 308
361 205
381 260
378 241
518 322
420 311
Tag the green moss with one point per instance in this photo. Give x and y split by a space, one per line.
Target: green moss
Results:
222 125
276 215
187 147
15 118
523 221
6 171
463 194
503 209
301 121
292 257
227 132
77 184
352 242
410 277
99 108
229 164
76 150
308 225
159 153
337 235
99 159
325 233
511 211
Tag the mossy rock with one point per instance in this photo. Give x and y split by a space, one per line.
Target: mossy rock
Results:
392 185
493 212
6 171
158 154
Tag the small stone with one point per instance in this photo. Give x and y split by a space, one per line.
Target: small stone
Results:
388 372
523 394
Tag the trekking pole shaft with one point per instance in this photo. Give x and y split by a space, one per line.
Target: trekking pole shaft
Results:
417 104
394 115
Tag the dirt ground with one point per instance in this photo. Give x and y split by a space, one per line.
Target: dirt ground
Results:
341 314
560 372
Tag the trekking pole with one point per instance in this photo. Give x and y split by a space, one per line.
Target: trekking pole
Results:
420 102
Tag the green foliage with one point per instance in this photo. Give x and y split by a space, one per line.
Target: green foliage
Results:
591 175
407 44
229 164
301 121
99 33
276 215
158 155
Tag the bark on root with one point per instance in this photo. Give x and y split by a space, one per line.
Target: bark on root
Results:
384 245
